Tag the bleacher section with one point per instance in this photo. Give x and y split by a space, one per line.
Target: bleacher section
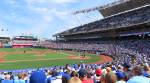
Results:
122 6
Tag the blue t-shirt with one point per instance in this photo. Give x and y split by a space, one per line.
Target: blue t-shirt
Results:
139 79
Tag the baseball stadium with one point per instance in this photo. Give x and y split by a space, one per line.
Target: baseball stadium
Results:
115 49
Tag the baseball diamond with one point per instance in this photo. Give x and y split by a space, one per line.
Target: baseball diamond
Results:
15 58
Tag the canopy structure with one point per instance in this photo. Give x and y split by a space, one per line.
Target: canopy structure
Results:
116 7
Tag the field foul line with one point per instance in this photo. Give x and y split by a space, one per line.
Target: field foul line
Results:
34 60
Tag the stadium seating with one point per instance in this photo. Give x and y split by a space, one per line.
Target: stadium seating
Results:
126 19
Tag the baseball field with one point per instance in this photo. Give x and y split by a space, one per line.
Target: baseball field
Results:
22 58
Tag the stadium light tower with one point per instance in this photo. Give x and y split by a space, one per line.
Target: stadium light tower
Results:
75 14
85 10
2 30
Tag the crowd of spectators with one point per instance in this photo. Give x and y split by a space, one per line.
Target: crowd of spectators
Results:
82 73
124 50
130 64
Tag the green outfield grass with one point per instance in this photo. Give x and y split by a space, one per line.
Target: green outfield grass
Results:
27 60
20 57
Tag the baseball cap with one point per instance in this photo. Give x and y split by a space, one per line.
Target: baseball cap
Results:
98 72
126 65
82 72
38 77
120 75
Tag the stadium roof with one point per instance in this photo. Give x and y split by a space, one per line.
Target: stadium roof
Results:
116 7
25 37
128 5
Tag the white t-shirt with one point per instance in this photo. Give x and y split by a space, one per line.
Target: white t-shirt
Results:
121 81
56 81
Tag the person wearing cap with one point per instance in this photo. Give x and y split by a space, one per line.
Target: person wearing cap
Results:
54 77
121 77
127 71
97 76
137 76
38 77
66 76
83 76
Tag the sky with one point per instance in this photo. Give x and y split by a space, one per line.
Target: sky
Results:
44 18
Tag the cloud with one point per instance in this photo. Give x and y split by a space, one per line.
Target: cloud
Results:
64 1
47 14
39 9
13 2
51 1
35 1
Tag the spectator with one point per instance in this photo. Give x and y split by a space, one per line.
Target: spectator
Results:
137 76
146 71
38 77
121 77
126 71
110 78
83 76
75 80
108 69
74 74
97 76
55 78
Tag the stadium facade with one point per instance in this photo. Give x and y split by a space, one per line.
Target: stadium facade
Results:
24 41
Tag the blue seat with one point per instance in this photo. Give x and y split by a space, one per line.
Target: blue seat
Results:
14 81
7 81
